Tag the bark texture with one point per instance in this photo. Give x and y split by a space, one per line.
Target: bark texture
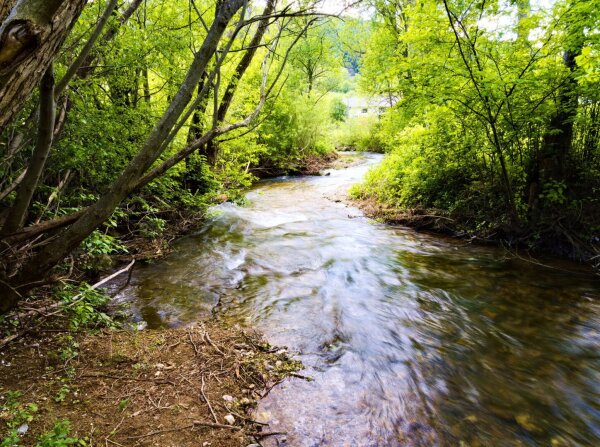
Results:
30 37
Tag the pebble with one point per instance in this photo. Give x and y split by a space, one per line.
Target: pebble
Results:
263 417
227 398
525 421
230 419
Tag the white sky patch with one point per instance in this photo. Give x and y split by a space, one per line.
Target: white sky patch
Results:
335 7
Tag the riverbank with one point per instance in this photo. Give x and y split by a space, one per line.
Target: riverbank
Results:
61 379
179 387
444 223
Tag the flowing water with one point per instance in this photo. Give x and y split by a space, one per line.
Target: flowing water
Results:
412 339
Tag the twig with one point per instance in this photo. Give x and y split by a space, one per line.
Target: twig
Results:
13 337
77 297
207 401
229 410
300 376
159 432
264 434
207 338
135 379
187 427
192 342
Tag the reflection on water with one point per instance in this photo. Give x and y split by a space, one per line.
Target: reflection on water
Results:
411 339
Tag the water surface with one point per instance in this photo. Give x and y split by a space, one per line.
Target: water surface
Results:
412 339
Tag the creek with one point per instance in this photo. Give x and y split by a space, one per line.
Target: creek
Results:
412 339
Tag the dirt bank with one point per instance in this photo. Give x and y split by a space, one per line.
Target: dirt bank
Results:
441 222
183 387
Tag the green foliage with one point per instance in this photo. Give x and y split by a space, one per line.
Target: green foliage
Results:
18 416
15 414
84 306
554 192
339 110
151 227
99 243
477 110
361 134
123 404
110 108
294 130
60 437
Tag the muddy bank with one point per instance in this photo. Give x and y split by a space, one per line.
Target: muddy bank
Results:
193 386
443 223
310 165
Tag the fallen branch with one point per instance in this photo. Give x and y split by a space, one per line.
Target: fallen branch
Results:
209 341
186 427
207 401
77 298
264 434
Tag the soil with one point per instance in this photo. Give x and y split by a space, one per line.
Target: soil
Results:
310 165
420 219
146 388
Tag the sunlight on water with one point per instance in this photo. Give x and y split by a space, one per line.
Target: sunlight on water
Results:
412 339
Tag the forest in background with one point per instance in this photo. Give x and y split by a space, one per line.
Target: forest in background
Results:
121 120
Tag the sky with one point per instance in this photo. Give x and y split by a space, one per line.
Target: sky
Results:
337 6
332 7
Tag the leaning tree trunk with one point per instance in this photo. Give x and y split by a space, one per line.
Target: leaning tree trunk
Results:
30 37
212 147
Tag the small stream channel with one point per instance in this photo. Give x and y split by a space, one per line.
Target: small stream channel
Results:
412 339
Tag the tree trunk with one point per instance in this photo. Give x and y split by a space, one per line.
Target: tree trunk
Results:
29 39
195 130
212 147
558 139
47 115
5 7
551 163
